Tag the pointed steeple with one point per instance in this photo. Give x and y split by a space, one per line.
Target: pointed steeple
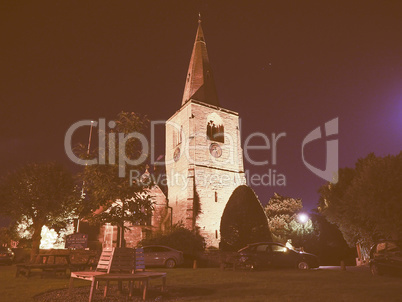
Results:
200 84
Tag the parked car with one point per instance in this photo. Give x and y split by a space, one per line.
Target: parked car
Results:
159 255
386 257
276 255
6 255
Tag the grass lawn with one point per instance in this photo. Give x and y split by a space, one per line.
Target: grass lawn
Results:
214 285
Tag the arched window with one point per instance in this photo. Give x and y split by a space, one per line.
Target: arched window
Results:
215 129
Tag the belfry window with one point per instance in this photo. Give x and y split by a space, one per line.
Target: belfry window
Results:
215 128
177 136
180 136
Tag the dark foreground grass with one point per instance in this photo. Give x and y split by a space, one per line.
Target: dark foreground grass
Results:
214 285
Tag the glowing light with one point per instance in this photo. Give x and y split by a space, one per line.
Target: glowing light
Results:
303 218
49 238
52 240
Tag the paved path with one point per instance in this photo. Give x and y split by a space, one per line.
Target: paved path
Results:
364 269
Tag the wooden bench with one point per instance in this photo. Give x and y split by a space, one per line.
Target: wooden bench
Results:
45 269
139 259
90 263
119 264
142 277
103 267
115 260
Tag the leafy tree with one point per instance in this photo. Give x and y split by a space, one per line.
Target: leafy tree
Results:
39 194
282 213
366 203
6 236
109 197
243 220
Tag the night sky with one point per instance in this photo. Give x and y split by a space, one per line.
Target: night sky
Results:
287 67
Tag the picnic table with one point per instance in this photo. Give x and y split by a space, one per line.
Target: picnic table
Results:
47 264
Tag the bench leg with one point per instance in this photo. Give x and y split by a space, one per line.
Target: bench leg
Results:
163 284
120 287
91 293
106 289
130 286
70 287
144 289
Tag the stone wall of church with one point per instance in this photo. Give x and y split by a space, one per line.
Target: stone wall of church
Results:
178 173
232 155
196 170
159 221
134 234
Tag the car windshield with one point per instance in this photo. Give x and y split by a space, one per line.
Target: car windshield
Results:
393 246
266 247
388 246
278 248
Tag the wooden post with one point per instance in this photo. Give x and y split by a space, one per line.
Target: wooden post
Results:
195 264
343 267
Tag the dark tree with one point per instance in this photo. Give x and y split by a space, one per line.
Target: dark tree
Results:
328 243
366 203
39 194
337 209
243 220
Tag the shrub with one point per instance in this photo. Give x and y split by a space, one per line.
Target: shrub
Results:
180 239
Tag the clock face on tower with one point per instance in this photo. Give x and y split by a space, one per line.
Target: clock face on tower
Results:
215 150
176 154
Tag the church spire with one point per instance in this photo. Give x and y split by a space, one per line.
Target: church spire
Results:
200 85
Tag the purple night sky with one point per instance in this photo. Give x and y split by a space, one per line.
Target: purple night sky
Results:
287 67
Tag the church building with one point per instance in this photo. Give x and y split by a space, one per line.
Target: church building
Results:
204 158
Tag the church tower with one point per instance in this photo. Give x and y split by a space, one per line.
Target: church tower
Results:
204 159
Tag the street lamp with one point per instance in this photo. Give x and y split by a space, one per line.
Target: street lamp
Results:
303 218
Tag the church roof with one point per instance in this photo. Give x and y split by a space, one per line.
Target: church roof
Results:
200 84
